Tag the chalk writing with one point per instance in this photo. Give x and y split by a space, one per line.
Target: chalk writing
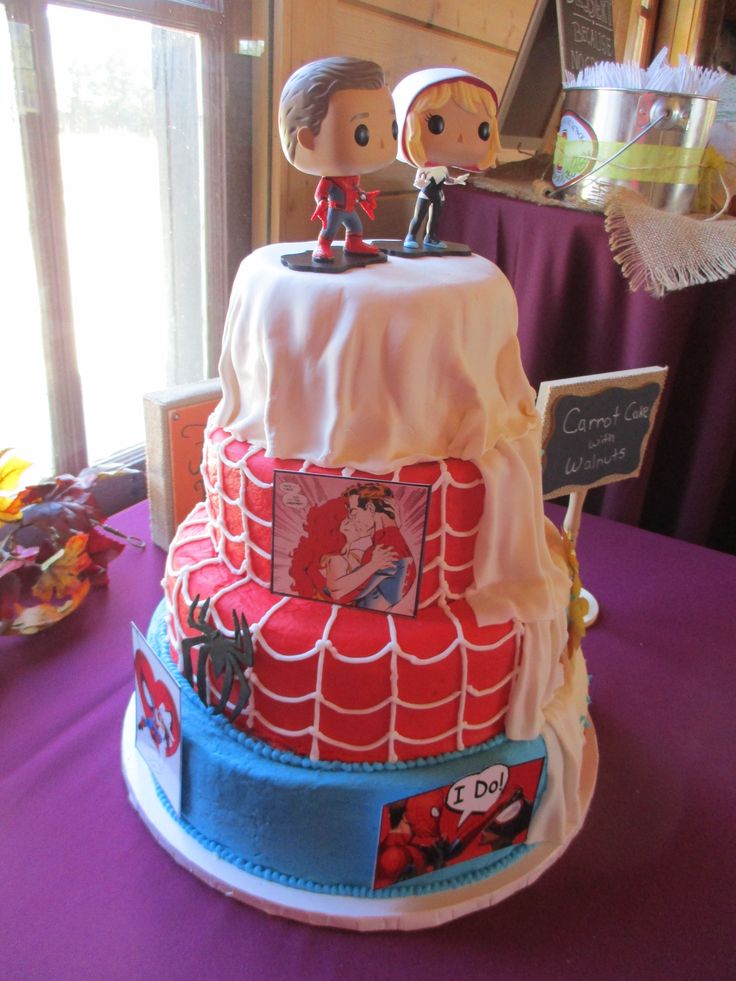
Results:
595 431
586 32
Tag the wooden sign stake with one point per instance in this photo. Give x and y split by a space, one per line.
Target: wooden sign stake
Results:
574 514
571 526
595 430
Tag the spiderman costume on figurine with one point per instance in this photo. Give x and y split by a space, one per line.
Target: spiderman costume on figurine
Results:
336 118
337 198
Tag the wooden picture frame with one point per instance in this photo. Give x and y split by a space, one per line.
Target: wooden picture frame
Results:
175 419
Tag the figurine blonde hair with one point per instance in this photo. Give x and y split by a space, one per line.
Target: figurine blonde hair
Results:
469 96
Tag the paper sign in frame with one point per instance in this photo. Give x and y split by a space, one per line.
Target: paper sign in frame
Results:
175 420
155 683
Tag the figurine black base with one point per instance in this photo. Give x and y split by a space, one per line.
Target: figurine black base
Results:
342 261
395 246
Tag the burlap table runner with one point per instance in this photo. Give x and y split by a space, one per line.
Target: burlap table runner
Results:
657 251
660 252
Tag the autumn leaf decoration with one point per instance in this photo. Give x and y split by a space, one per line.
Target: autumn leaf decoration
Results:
10 473
53 546
63 577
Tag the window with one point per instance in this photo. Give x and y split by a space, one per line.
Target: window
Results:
25 413
113 231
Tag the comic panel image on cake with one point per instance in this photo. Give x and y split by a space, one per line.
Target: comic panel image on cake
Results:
158 719
350 541
480 813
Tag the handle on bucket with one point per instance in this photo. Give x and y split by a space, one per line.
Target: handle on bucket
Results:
668 113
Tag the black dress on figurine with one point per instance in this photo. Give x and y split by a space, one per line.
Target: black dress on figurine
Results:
430 201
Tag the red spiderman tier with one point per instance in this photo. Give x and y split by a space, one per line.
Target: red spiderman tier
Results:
334 682
239 495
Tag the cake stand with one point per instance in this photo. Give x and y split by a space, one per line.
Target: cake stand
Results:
345 912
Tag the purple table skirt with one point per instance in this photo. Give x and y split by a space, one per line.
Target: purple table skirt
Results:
577 316
647 890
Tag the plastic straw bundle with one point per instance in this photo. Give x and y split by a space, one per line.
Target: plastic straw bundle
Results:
684 78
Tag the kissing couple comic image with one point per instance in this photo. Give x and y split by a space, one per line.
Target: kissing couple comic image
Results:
354 542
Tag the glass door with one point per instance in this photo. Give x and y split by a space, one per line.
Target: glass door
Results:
24 406
130 133
114 223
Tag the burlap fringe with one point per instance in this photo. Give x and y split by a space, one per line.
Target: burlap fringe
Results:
626 219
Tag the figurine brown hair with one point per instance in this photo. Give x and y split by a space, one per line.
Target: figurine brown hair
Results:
306 95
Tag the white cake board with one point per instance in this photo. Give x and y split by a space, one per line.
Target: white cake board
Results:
345 912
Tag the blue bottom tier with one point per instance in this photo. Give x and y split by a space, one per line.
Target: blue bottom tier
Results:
352 829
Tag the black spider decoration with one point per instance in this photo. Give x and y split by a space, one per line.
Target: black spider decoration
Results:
229 654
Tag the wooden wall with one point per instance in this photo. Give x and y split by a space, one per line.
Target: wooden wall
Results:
402 36
483 36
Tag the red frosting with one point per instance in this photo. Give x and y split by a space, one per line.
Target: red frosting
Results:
336 682
347 684
239 485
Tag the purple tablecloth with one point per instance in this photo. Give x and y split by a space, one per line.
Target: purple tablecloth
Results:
646 891
578 317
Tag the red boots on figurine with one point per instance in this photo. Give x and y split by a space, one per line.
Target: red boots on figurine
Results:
354 245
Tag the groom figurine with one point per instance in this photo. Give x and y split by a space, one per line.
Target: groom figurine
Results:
337 121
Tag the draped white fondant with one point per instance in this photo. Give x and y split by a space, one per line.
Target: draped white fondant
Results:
560 813
408 361
376 368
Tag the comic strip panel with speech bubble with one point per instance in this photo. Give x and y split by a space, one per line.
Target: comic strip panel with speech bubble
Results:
480 813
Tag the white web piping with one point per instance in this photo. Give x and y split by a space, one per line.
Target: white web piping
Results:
463 684
207 525
394 677
221 534
391 649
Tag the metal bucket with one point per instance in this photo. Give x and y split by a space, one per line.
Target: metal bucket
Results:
650 141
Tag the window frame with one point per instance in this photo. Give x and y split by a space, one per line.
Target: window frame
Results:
35 92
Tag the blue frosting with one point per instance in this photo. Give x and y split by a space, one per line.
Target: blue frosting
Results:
313 824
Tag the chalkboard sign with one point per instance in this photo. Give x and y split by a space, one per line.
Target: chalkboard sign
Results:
595 428
586 32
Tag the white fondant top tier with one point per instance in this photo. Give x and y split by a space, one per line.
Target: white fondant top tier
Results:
413 359
410 360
